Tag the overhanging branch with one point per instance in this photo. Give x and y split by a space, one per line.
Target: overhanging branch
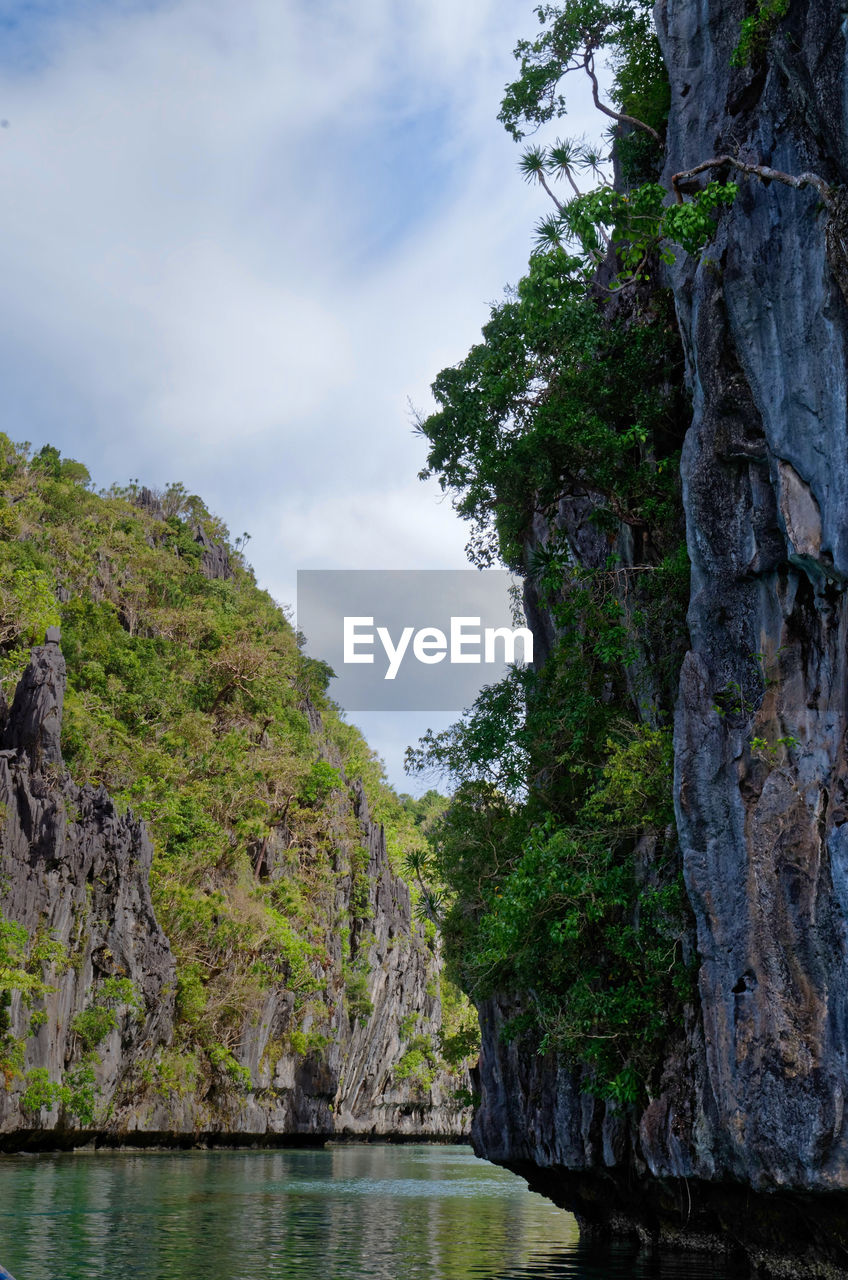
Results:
762 171
620 116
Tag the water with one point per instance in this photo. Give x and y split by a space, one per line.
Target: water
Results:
338 1213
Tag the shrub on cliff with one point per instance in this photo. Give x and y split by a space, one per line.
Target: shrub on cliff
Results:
189 698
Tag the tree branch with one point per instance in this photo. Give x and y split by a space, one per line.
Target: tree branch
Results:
620 116
762 171
543 181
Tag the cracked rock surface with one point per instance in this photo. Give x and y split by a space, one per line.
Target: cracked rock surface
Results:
747 1141
75 870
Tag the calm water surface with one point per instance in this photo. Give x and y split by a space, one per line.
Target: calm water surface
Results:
340 1213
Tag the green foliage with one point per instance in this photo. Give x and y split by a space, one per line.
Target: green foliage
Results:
462 1046
21 968
633 216
692 224
771 755
610 987
464 1097
636 785
554 872
224 1062
622 31
556 397
121 991
641 226
360 890
321 780
459 1037
48 952
307 1042
54 465
37 1020
358 1002
559 911
12 1048
41 1092
539 891
80 1098
298 1042
191 993
419 1064
13 959
190 700
93 1024
176 1073
28 605
487 744
77 1095
757 30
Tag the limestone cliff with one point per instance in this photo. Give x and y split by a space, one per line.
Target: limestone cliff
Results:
74 873
746 1141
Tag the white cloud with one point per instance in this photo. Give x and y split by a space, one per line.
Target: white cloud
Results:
235 238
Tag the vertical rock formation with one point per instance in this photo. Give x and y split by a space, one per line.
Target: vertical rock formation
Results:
75 875
75 872
761 726
746 1142
34 725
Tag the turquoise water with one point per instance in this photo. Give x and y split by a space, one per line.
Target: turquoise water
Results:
337 1213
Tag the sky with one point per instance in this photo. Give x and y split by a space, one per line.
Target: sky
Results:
238 241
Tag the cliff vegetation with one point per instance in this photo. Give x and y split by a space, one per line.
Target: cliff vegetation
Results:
190 701
643 874
559 435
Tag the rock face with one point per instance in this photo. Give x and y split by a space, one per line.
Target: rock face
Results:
766 494
747 1142
34 725
74 872
214 558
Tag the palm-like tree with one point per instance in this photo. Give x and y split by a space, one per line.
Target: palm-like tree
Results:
562 159
549 233
533 165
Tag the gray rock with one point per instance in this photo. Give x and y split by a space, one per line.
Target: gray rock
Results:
746 1141
73 869
151 503
765 472
214 559
34 725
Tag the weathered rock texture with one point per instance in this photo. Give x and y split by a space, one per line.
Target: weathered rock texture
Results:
72 869
747 1142
766 491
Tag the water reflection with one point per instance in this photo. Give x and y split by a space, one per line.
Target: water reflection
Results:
623 1262
341 1213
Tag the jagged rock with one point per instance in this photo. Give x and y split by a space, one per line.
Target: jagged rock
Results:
214 559
765 472
34 725
73 869
151 503
401 969
746 1142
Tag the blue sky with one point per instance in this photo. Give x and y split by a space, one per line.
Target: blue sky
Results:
236 239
